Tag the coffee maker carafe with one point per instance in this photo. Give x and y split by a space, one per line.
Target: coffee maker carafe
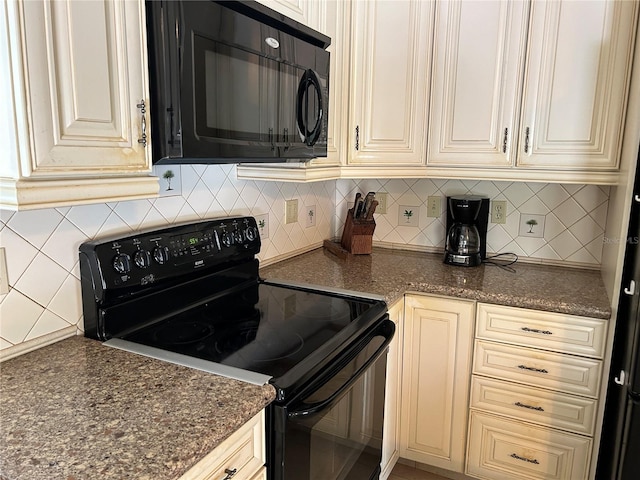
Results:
466 230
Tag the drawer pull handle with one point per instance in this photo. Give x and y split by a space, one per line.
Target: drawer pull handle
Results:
230 473
524 405
518 457
533 369
535 330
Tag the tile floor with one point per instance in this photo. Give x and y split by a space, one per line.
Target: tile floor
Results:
405 472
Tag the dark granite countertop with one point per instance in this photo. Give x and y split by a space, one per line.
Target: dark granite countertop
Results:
391 273
80 410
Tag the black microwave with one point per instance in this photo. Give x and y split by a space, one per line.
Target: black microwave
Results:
234 82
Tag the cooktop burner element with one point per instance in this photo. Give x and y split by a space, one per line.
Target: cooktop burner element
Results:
184 333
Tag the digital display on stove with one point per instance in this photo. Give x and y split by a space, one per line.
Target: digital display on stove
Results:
192 244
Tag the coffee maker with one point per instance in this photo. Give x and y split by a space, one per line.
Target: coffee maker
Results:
466 239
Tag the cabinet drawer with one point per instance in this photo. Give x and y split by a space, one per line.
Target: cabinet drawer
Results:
551 331
552 409
243 451
501 449
556 371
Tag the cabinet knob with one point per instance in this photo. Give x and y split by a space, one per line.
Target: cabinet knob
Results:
527 131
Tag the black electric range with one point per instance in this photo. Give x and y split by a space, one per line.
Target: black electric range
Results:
191 294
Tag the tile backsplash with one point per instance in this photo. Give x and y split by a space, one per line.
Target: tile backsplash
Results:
41 245
573 216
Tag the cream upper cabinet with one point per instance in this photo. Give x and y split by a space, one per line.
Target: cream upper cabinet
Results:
74 74
391 430
576 83
478 52
298 10
389 85
438 343
544 105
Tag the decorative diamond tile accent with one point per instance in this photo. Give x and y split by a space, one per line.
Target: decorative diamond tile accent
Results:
19 314
35 226
48 322
517 194
590 196
553 195
569 212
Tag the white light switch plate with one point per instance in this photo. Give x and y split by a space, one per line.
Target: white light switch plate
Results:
291 211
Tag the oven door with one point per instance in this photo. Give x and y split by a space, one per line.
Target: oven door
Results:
333 430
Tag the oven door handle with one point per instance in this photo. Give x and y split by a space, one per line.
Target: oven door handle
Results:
311 409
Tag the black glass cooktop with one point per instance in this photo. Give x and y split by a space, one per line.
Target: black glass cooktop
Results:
265 328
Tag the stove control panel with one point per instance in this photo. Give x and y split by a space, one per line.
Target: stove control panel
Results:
150 256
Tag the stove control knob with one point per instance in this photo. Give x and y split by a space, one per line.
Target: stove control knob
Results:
122 263
238 237
251 233
161 254
227 239
142 258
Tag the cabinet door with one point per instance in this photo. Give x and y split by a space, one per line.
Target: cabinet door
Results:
86 76
576 82
78 73
390 442
390 55
478 57
438 338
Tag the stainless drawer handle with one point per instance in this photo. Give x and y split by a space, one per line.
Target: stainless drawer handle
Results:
518 457
230 473
535 330
524 405
533 369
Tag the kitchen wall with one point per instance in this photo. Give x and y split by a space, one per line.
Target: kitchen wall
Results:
42 245
570 218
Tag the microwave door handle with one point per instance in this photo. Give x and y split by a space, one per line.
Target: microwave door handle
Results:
309 82
311 409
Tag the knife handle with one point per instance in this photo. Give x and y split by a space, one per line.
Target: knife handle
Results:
371 210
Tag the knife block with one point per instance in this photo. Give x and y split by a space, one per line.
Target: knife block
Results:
357 236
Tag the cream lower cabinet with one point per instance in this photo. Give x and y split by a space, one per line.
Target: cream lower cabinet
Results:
437 351
534 394
391 430
241 456
73 78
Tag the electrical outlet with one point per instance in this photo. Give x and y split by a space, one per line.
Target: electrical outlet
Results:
4 274
291 211
434 206
499 211
382 198
310 216
263 225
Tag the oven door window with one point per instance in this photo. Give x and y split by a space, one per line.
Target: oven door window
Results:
336 432
235 94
